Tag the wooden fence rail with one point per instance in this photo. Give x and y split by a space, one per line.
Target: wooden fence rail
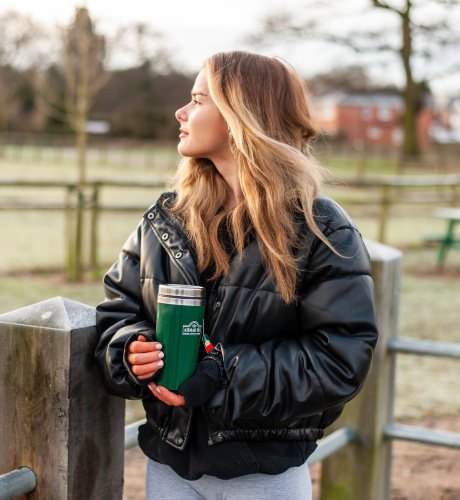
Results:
17 482
392 191
74 200
400 189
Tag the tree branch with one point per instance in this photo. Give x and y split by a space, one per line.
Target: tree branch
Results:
382 5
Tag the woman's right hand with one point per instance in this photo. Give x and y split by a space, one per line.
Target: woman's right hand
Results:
145 357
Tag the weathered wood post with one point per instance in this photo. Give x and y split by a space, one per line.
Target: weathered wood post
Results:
362 470
71 272
55 415
94 230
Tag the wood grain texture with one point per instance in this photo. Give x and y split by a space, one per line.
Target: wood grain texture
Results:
362 470
55 415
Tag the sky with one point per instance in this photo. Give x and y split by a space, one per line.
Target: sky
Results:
192 31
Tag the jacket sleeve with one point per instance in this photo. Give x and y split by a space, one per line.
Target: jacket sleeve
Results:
327 363
120 319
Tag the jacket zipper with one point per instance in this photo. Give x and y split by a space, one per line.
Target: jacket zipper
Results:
203 411
205 324
210 301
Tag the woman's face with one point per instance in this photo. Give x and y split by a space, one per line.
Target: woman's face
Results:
204 132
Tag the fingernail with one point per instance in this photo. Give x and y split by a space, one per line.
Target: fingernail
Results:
158 390
160 363
159 346
150 386
161 355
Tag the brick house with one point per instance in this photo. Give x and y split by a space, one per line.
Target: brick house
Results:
372 119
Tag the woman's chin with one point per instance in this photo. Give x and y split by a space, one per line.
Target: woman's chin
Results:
185 152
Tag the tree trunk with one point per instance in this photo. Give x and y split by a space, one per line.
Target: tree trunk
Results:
81 151
4 112
411 146
81 111
79 225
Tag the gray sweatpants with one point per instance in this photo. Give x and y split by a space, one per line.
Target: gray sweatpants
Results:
162 483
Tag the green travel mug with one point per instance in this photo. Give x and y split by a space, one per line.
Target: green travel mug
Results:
180 313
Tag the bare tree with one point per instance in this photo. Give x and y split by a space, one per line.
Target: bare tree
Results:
422 34
16 33
67 89
66 86
350 79
145 47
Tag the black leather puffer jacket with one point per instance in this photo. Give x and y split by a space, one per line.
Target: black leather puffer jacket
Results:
287 370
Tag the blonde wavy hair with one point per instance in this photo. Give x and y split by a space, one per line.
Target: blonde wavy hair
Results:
264 103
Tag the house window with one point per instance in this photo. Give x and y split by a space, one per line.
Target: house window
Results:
328 112
374 133
397 136
384 114
366 113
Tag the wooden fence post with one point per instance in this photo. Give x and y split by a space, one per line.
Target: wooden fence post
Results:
70 234
56 417
94 230
362 470
79 233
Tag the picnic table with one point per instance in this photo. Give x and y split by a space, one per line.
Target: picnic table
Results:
449 239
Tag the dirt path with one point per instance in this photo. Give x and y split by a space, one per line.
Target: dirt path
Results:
420 472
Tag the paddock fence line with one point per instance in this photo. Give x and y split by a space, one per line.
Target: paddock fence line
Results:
70 435
46 147
74 201
60 149
405 189
392 190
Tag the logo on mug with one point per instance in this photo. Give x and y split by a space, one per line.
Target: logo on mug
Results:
194 328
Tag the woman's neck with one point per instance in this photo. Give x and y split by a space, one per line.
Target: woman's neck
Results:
229 172
234 193
231 202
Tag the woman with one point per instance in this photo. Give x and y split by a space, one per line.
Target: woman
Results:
290 306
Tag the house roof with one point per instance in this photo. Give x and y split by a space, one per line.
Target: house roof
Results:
373 100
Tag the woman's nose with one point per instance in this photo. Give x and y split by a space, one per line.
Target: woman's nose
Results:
181 115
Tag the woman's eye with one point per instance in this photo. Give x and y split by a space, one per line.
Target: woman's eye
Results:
195 101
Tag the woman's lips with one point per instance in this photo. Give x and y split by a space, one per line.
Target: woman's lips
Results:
183 133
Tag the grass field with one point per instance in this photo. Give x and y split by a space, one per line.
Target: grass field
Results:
33 244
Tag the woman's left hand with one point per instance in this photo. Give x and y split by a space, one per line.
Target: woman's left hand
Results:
167 396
